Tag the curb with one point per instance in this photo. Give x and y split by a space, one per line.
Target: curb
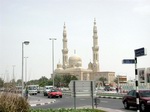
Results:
38 104
111 97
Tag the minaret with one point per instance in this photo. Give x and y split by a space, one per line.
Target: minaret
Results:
65 49
95 49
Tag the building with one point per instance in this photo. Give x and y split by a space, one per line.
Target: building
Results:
144 75
121 79
73 64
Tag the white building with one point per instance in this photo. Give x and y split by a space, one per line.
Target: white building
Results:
144 75
73 64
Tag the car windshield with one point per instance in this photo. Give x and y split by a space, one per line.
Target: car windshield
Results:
49 87
32 88
145 93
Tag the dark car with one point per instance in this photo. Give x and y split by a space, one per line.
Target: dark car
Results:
144 99
55 93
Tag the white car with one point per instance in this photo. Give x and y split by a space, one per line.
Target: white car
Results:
47 89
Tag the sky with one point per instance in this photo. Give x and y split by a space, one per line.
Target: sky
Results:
123 26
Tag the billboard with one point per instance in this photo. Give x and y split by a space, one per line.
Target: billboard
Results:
141 74
148 74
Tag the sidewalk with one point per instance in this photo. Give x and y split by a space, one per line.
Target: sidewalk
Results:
37 102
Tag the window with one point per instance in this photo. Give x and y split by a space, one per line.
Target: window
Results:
145 94
130 93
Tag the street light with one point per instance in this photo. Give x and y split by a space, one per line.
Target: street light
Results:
53 58
26 43
13 77
26 69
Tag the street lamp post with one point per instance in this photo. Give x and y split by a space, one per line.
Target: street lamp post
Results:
53 58
13 77
26 43
26 69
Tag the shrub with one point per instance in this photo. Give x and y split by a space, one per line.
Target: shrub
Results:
10 102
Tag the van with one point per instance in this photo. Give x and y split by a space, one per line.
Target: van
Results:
32 89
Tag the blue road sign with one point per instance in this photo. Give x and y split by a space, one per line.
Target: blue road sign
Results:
139 52
128 61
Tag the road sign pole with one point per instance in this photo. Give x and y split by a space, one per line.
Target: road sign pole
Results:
137 53
74 93
92 94
136 84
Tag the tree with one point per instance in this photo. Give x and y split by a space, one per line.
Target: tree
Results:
58 80
116 80
19 82
43 81
1 82
49 82
103 79
67 78
33 82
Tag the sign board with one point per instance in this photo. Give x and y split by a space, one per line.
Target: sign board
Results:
128 61
82 88
140 52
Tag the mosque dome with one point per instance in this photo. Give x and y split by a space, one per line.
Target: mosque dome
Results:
75 61
59 67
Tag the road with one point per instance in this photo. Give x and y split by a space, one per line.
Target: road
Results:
68 102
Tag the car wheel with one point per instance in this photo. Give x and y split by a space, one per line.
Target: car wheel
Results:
142 107
60 96
50 96
126 105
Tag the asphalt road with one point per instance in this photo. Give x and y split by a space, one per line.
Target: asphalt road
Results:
68 102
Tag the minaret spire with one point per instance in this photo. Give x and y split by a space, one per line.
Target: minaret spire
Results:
95 48
65 48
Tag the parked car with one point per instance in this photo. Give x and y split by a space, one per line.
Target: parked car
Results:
144 99
47 89
55 93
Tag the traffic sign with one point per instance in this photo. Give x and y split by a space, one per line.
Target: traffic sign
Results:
81 85
128 61
82 88
139 52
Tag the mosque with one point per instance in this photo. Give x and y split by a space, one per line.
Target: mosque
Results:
73 64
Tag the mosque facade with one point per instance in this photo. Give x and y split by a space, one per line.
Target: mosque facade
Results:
73 65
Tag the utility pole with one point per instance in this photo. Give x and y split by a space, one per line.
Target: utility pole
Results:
53 39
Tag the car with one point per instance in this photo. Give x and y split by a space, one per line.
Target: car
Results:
47 89
55 93
130 99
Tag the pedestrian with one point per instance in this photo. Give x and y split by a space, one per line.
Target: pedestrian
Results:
26 93
117 89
